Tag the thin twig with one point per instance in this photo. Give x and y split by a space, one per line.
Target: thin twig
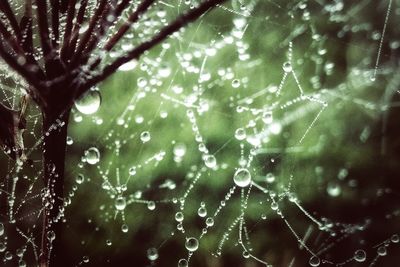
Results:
158 38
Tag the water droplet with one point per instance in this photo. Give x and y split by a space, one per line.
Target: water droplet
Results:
89 103
85 259
274 206
179 150
267 117
202 212
210 161
183 263
120 203
395 238
360 255
179 216
132 171
314 261
92 155
209 221
192 244
152 254
382 251
80 179
1 229
333 189
287 67
235 83
270 178
240 134
51 235
242 177
124 228
151 205
145 136
130 65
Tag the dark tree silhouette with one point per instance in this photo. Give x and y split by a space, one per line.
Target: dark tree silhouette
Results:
61 69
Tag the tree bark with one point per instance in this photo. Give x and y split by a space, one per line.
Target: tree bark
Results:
55 128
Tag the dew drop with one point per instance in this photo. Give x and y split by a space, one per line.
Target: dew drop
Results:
287 67
145 136
179 150
152 254
124 228
92 155
235 83
314 261
192 244
80 179
360 255
210 161
209 221
89 103
120 203
242 177
240 134
382 251
183 263
202 212
270 178
151 205
333 189
179 216
267 117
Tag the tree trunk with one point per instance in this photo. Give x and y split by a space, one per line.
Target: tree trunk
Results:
55 128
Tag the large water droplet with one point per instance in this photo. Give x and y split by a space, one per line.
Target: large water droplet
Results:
89 103
210 161
92 155
192 244
242 177
120 203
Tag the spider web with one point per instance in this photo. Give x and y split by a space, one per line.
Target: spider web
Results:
239 139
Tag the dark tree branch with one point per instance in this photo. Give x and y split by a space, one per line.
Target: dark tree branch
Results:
75 32
158 38
55 21
88 33
43 29
11 40
20 69
68 28
6 9
27 38
142 8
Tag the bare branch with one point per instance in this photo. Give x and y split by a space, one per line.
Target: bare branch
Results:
86 36
11 40
162 35
68 27
43 28
27 73
55 20
6 9
142 8
75 32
